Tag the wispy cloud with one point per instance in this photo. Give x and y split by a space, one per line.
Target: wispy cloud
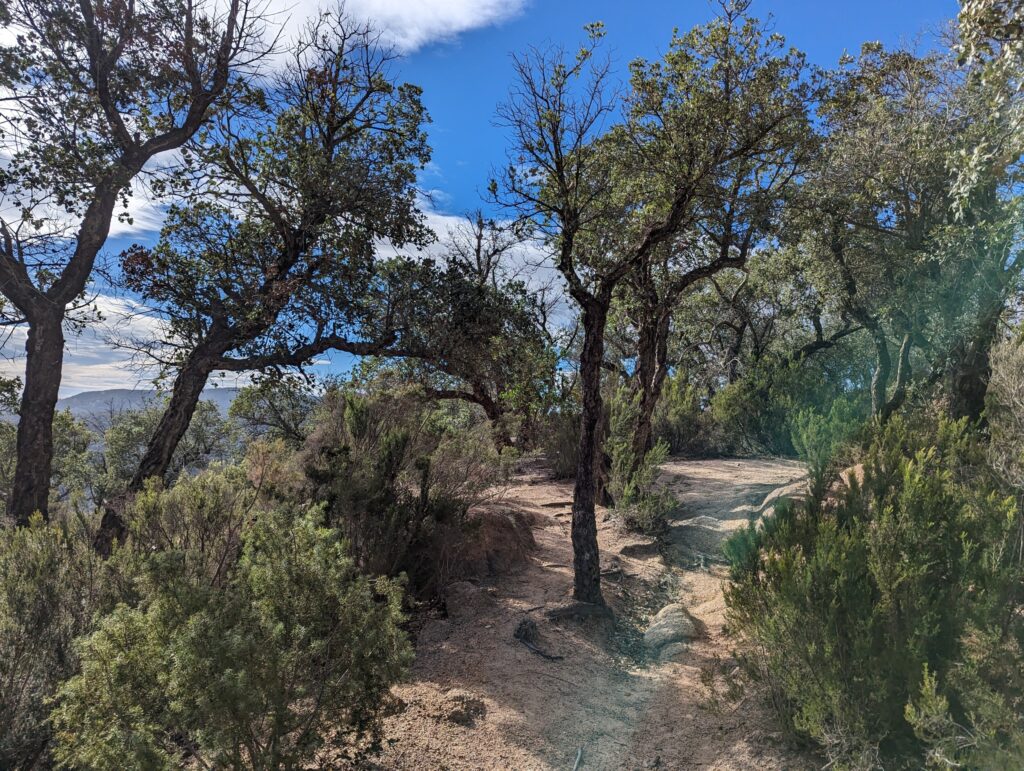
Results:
412 24
93 363
90 362
407 24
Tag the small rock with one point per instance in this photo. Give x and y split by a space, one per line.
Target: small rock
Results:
673 624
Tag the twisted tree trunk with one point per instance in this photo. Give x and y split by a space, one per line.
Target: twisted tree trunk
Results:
971 368
651 371
187 391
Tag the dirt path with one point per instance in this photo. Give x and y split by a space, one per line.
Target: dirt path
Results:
479 699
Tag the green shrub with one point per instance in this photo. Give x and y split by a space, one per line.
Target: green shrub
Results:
51 582
210 438
819 436
1004 411
398 480
640 506
755 413
72 468
678 419
751 418
256 666
560 440
862 612
275 407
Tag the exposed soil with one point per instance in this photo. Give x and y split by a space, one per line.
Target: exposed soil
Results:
479 698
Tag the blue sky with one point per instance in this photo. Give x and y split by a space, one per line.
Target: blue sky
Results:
464 80
459 52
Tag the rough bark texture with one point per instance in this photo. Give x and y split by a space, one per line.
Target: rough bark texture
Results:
651 371
586 560
45 354
883 362
899 394
188 388
603 461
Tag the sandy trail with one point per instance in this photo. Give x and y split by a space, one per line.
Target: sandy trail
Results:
478 699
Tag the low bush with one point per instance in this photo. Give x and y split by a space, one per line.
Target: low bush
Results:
71 475
51 583
560 441
751 418
254 641
640 506
885 617
1004 410
680 422
819 436
398 480
210 438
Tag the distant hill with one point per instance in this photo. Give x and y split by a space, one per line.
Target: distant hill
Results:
97 404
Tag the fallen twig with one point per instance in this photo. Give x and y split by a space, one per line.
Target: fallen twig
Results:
539 652
579 758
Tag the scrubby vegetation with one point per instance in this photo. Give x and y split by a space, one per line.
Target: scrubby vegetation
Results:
883 613
252 641
732 253
251 615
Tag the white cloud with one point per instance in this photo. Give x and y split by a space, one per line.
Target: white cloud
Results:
530 263
92 363
408 24
147 216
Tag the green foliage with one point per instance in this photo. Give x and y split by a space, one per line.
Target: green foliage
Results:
209 438
986 686
10 395
51 582
275 408
254 642
560 440
72 470
750 417
289 270
846 599
818 437
479 330
398 479
757 413
1004 409
678 419
639 505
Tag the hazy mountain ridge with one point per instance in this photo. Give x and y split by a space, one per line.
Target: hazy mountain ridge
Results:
115 400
